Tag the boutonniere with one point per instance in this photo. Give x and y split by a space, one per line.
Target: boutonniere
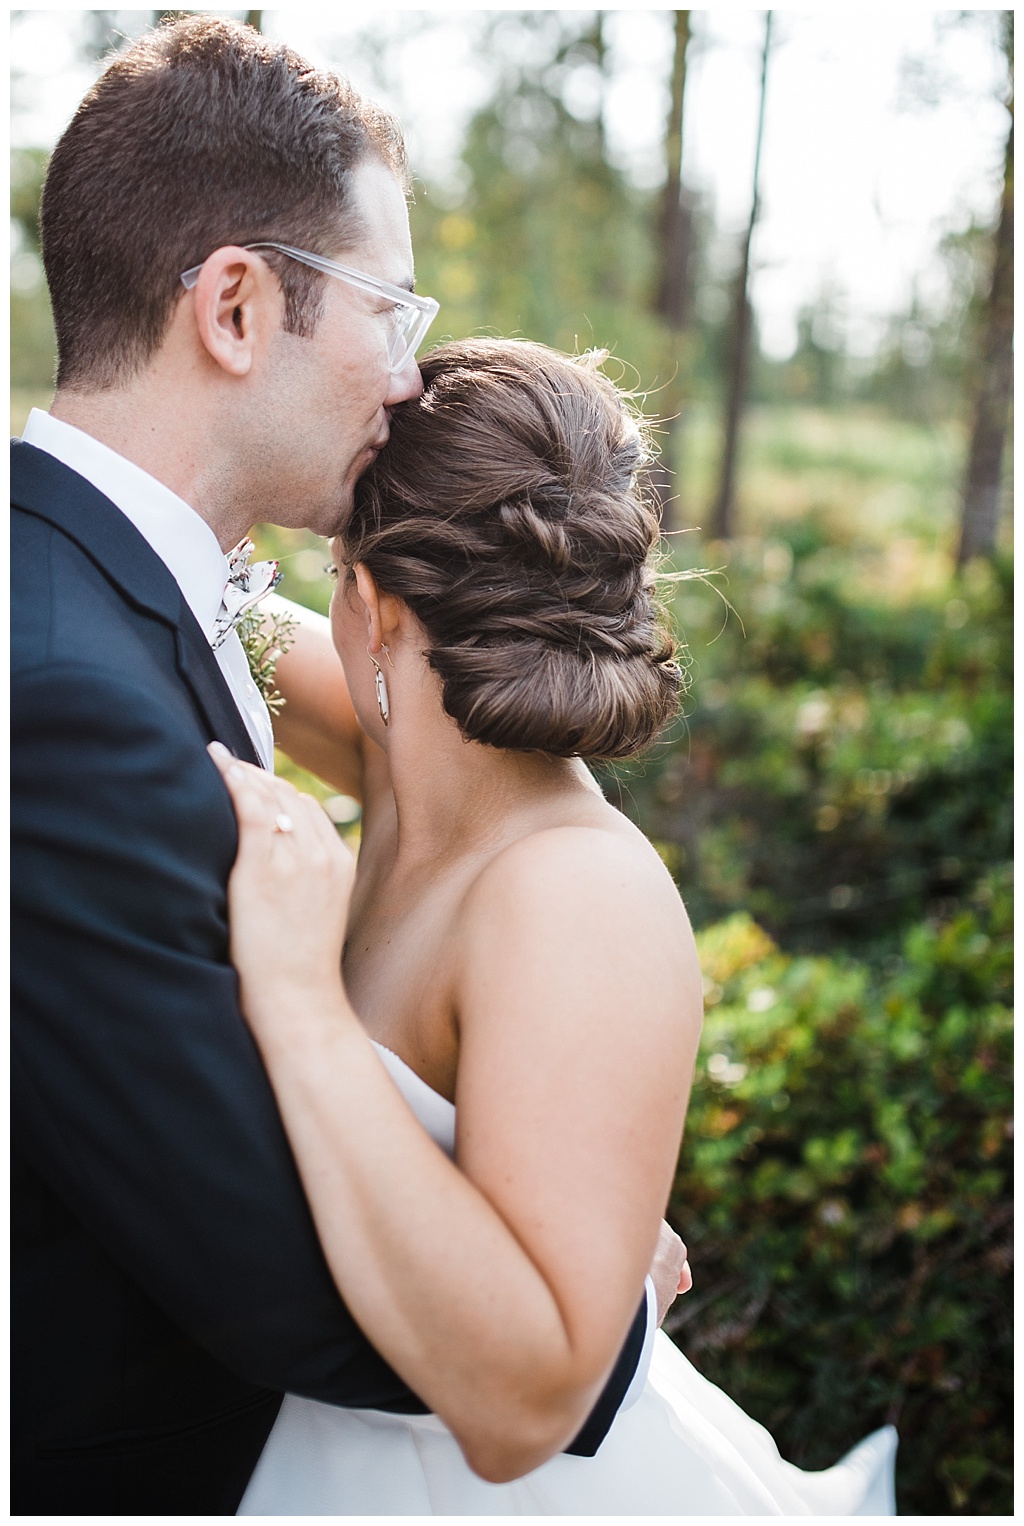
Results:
265 638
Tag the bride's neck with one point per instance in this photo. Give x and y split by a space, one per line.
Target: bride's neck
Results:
455 797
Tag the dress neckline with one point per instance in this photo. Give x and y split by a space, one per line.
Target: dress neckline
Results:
417 1079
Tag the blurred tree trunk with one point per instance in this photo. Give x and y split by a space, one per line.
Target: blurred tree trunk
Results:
597 41
983 482
675 216
254 18
671 303
738 358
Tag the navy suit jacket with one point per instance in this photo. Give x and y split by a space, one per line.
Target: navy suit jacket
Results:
167 1280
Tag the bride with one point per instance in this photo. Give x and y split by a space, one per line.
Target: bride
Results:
487 1113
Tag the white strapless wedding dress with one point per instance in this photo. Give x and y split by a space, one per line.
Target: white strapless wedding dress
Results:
684 1447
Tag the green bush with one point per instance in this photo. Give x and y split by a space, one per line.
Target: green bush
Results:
845 767
844 1192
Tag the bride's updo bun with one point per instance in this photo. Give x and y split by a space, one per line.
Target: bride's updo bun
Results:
505 512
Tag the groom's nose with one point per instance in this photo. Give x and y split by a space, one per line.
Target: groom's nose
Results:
405 385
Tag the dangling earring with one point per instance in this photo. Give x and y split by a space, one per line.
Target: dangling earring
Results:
382 689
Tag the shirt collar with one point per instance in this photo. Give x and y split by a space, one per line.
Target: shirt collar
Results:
181 539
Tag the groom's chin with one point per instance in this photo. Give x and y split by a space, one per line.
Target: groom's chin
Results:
326 519
337 519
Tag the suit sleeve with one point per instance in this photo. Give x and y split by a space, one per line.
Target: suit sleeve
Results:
616 1389
138 1090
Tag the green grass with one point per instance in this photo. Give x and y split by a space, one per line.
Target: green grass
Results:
863 475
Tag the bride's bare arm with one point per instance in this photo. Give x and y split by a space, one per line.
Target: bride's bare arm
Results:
500 1291
579 1010
317 725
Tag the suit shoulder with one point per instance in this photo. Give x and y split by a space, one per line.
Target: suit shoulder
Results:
31 587
65 610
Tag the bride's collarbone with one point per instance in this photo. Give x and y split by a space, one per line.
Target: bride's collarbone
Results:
402 948
398 972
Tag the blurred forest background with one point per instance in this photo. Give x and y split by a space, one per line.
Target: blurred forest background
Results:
835 801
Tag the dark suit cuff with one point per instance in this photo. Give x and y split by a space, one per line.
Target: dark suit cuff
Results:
607 1406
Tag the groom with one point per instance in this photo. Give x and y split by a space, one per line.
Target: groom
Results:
168 1283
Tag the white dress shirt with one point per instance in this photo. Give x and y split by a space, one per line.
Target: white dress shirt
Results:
181 539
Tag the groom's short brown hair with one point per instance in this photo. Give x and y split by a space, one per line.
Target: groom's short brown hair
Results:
203 133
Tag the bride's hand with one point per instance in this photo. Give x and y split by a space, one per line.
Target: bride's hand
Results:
670 1270
288 897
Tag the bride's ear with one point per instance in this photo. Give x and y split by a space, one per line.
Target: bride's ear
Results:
382 609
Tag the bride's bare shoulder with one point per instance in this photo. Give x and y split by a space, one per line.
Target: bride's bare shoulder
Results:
601 877
576 935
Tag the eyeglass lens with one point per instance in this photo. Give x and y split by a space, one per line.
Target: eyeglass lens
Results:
409 328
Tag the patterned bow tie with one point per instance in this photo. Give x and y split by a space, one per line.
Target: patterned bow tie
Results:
245 587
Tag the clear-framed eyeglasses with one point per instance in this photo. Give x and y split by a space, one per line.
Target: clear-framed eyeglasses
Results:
410 315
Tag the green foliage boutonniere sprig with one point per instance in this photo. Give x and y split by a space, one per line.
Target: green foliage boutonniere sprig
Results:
265 638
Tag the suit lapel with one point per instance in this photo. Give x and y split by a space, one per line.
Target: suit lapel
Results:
45 487
201 671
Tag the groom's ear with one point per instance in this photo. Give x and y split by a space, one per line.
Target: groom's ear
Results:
237 305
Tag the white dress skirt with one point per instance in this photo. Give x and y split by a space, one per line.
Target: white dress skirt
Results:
683 1448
